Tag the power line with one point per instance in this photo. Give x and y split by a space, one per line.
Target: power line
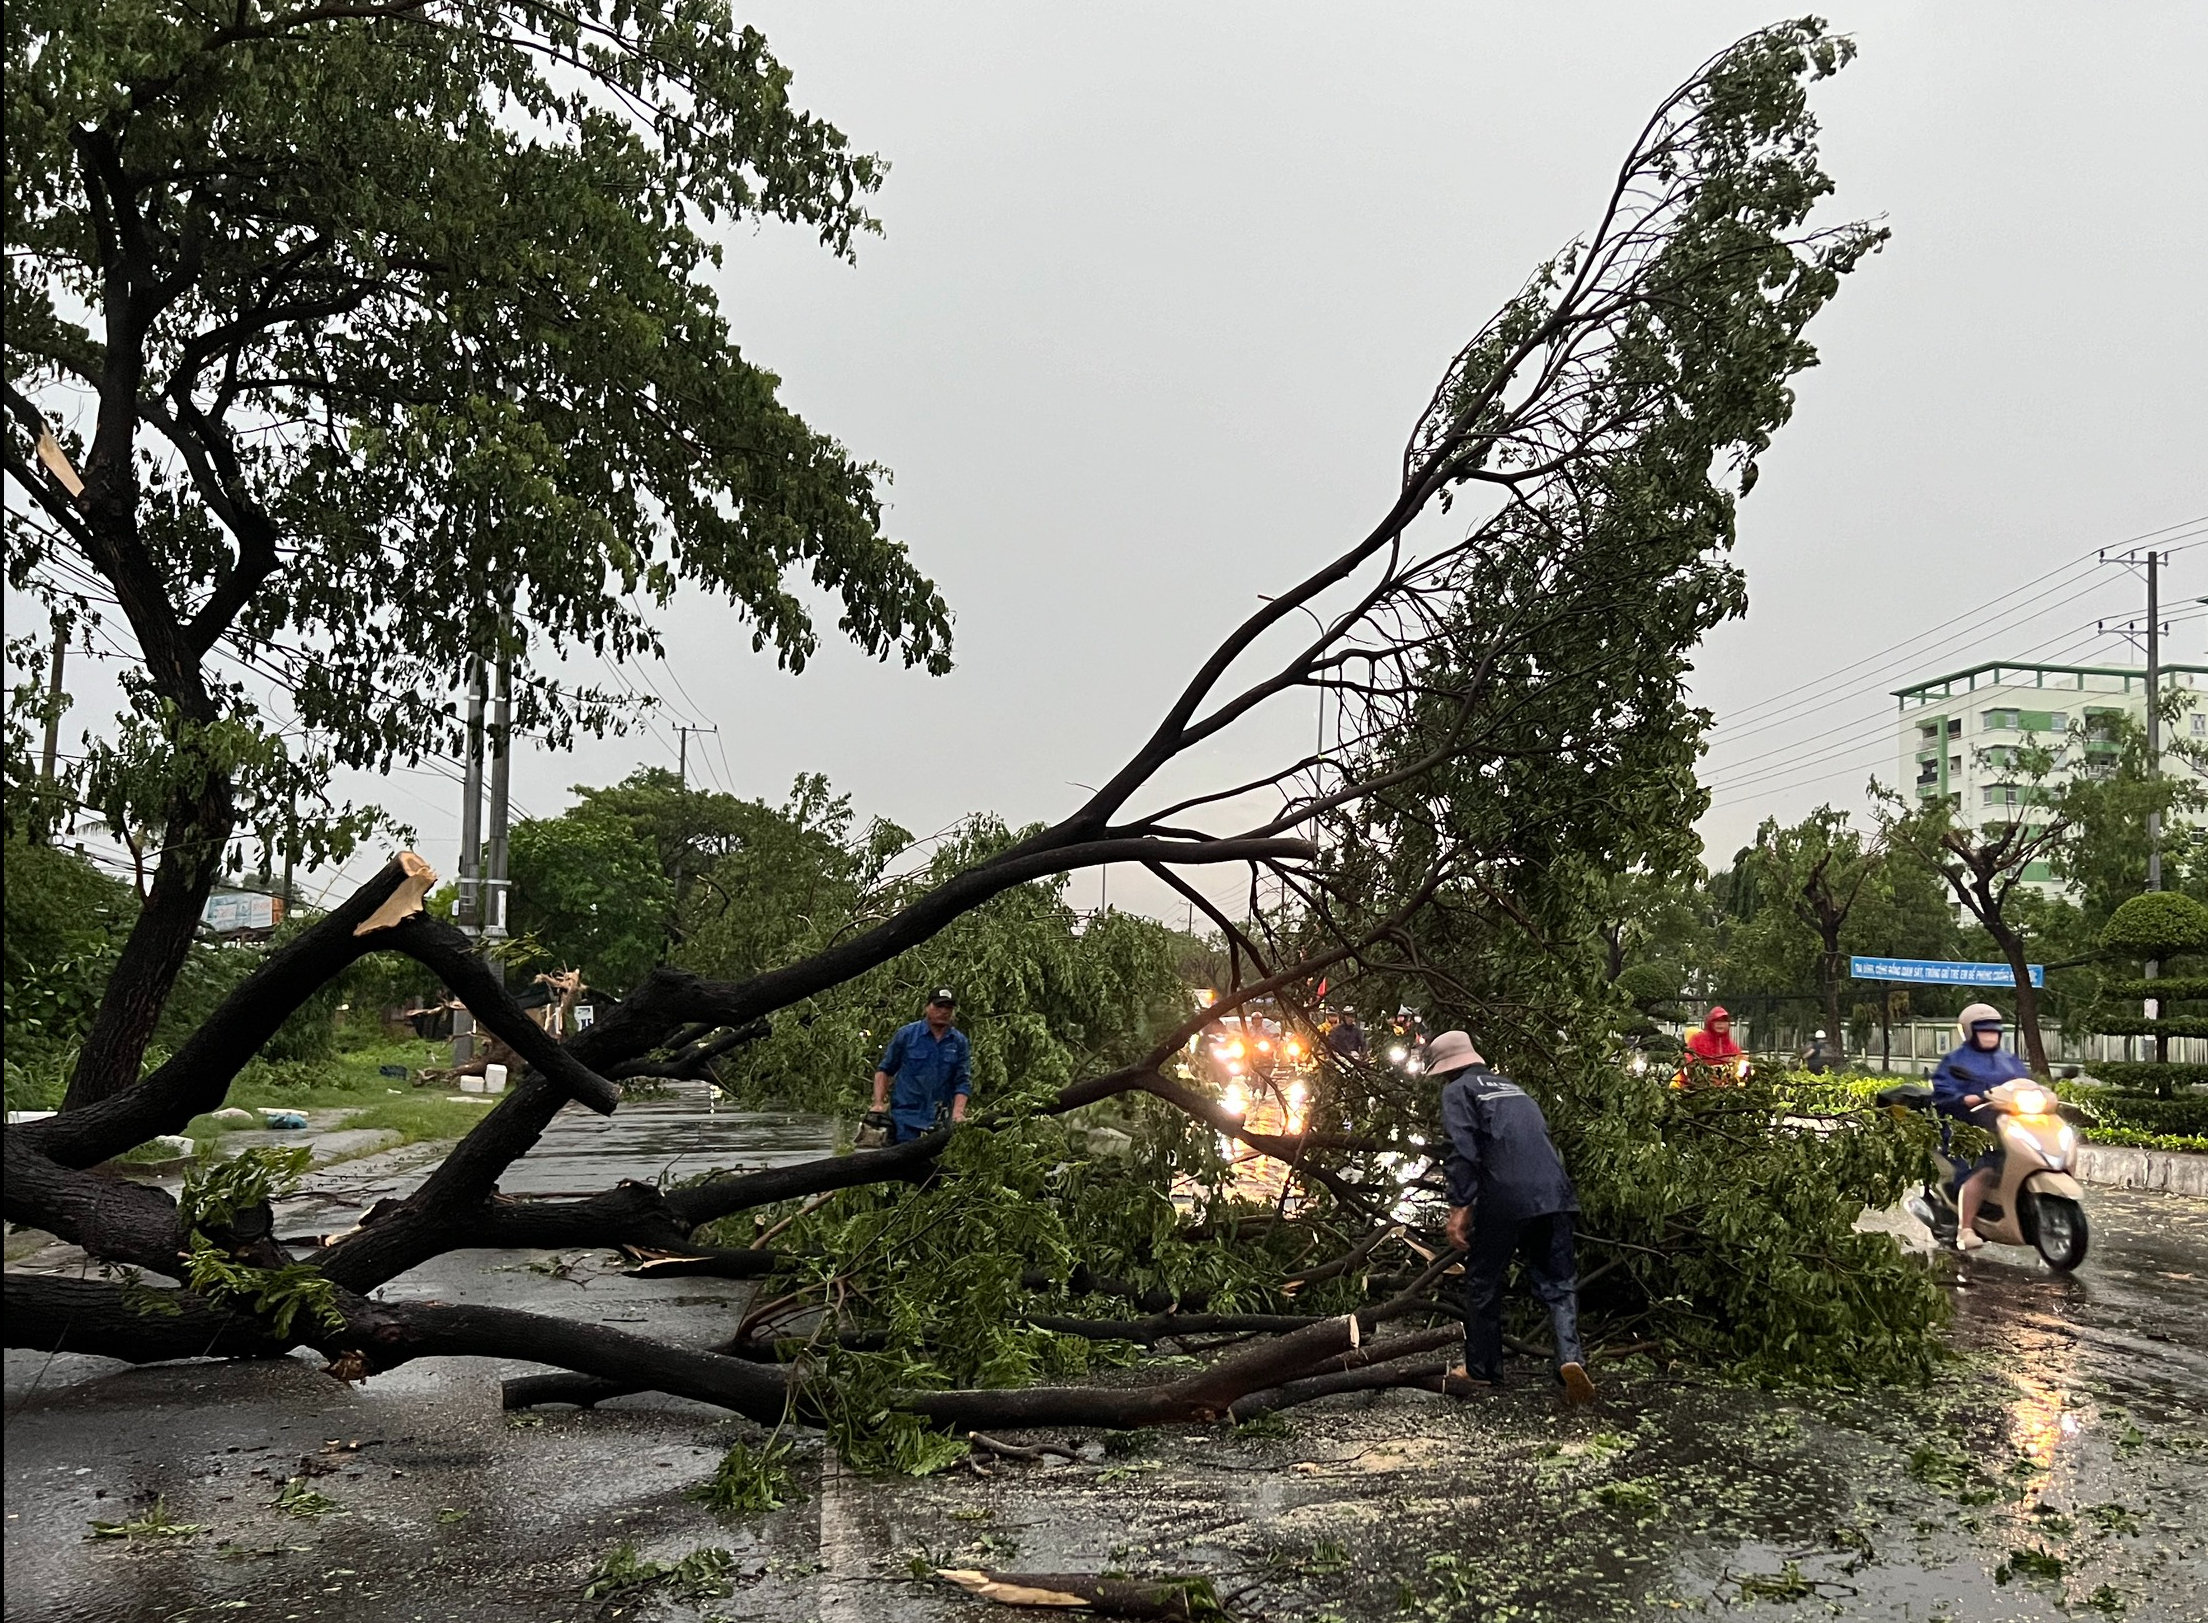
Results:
2074 637
2091 554
1728 774
1758 787
1734 766
1978 629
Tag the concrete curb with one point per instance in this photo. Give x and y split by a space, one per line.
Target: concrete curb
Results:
2116 1166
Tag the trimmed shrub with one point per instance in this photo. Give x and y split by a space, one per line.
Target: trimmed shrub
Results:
2183 1117
2138 1025
2170 988
2148 1077
2160 924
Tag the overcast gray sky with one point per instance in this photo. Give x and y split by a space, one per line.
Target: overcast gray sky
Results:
1163 287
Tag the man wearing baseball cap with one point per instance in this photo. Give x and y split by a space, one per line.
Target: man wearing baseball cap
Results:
927 1066
1509 1195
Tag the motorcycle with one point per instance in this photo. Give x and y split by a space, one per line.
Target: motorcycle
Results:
1696 1072
2035 1200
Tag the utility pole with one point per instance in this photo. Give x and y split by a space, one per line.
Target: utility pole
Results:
291 852
2153 639
2154 765
53 706
2149 634
683 730
493 895
52 750
471 847
2154 714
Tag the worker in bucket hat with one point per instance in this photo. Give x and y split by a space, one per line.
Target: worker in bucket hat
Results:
1509 1195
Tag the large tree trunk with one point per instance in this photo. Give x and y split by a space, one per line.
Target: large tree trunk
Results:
138 988
2027 995
1831 988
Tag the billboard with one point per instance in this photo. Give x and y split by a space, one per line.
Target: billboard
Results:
229 911
1939 972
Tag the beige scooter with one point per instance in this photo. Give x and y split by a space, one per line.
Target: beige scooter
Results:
2036 1202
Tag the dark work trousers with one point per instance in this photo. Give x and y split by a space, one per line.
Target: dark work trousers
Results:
1546 1244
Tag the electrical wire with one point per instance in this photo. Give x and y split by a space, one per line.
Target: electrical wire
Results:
2091 556
1758 786
1882 728
1979 629
1726 774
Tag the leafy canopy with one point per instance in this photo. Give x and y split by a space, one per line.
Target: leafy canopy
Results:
400 329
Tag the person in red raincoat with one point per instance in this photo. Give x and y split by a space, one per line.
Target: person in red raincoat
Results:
1712 1055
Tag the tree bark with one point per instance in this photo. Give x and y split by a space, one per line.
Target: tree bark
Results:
2027 996
96 1316
199 1076
196 829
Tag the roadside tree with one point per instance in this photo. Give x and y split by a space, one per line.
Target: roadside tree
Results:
345 351
1985 870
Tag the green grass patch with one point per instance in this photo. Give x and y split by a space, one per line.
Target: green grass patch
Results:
351 1082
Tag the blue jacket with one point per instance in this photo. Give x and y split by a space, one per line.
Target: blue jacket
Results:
1972 1070
924 1072
1500 1160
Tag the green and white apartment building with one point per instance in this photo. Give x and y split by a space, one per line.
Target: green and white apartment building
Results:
1958 738
1960 732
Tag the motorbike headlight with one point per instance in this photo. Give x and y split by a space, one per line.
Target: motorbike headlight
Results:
2031 1101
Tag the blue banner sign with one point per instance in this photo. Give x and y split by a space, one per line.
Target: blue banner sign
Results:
1939 972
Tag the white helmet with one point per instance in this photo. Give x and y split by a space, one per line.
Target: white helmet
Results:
1978 1014
1817 1036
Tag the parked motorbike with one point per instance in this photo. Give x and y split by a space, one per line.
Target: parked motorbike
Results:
2035 1200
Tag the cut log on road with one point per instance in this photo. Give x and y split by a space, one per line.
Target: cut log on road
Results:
1180 1598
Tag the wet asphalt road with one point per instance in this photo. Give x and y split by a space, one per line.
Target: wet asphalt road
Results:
2060 1471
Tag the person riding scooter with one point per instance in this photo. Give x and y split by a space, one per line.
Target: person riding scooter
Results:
1959 1089
1713 1059
1823 1055
2024 1192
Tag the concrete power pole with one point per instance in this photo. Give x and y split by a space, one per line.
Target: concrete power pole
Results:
683 730
502 762
468 903
2154 714
2151 635
2154 763
53 708
50 754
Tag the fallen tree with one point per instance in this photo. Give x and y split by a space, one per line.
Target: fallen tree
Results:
1509 702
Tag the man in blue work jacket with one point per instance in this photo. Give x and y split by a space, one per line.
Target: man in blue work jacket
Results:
927 1065
1509 1195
